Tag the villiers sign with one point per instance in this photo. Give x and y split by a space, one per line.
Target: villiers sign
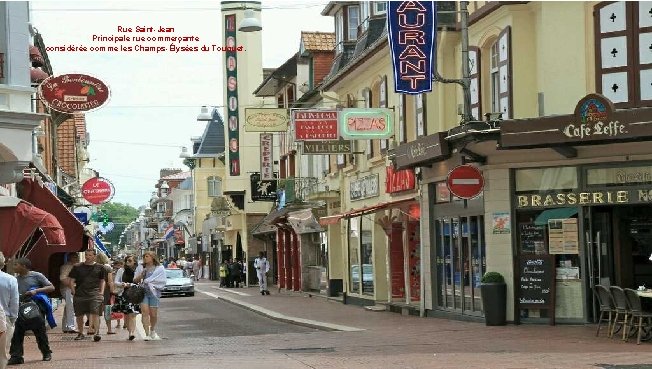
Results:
411 29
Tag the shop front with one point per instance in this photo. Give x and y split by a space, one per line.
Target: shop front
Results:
587 215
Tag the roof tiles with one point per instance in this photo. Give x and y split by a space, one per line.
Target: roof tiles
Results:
318 41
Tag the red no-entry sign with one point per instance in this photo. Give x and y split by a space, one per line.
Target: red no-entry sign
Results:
465 181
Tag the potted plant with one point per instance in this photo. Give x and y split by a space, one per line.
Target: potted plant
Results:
494 298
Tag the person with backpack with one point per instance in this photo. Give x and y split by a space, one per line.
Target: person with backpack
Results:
30 314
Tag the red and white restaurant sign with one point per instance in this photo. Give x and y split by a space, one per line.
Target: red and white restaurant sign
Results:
266 168
465 181
97 190
315 125
399 180
73 93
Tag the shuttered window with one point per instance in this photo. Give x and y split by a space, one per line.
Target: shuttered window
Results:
623 52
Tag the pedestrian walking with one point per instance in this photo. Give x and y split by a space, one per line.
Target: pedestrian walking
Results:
236 272
124 279
3 336
223 273
103 260
152 274
196 268
116 315
188 267
9 302
32 287
69 326
88 281
262 267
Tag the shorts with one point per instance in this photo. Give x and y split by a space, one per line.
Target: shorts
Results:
91 306
151 300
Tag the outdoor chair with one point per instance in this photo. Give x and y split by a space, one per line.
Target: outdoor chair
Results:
607 306
637 311
622 309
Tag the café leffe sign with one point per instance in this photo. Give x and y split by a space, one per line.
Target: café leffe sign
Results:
73 93
595 121
411 29
366 124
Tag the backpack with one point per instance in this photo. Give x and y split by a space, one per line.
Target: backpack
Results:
30 315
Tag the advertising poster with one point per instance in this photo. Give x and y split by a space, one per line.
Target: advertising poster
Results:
501 223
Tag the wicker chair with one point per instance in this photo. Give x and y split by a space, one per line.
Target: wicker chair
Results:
635 306
622 309
607 306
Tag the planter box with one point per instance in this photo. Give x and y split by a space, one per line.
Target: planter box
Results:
494 303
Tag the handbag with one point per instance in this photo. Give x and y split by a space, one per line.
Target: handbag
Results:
30 315
135 294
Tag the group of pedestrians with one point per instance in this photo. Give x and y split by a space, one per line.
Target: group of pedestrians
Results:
231 273
90 289
192 266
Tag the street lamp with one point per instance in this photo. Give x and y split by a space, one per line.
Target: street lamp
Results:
250 23
204 115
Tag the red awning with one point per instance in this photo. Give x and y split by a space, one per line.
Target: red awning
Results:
43 198
19 222
333 219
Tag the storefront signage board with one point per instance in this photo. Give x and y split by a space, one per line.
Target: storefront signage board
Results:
411 26
73 93
536 283
364 187
424 149
315 125
327 147
399 180
97 190
594 122
266 156
231 61
465 181
262 190
266 120
366 124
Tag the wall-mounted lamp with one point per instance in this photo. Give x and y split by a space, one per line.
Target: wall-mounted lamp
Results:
250 23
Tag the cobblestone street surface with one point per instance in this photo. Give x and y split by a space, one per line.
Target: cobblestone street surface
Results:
205 332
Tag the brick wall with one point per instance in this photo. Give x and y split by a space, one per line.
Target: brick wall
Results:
322 62
66 135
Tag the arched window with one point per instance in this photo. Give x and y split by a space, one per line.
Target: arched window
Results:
214 186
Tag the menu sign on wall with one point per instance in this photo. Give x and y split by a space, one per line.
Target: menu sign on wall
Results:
364 187
563 236
536 283
532 238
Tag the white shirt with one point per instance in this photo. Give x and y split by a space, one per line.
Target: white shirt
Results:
9 295
261 265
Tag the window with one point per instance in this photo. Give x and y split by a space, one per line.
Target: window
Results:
495 78
364 16
353 20
290 94
339 31
280 102
380 7
361 275
214 186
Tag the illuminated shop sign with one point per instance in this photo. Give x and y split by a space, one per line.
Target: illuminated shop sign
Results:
365 124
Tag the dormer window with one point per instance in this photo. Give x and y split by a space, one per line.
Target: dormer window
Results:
380 7
365 10
339 31
353 21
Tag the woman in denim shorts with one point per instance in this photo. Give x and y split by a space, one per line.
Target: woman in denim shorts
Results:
152 274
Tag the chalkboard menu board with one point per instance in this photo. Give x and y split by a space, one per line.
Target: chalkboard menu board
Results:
532 238
536 283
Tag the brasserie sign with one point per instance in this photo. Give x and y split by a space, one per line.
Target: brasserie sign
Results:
552 200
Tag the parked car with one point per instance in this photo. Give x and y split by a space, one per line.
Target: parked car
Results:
178 282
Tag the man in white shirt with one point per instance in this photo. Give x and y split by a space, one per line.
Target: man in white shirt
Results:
9 303
262 267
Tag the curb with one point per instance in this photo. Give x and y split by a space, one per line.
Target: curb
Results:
284 318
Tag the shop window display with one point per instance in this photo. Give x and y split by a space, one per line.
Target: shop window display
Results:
361 275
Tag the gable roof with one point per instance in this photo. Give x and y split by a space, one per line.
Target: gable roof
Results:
212 141
317 41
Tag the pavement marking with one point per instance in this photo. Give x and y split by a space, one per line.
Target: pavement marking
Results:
231 291
283 318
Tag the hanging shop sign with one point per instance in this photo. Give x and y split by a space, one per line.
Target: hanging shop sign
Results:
315 125
266 120
327 147
262 190
97 190
465 181
366 124
266 156
364 188
424 149
594 122
399 180
73 93
411 29
230 58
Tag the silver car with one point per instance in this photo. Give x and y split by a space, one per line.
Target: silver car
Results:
178 283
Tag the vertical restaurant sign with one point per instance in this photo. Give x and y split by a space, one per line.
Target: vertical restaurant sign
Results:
266 159
411 29
231 61
315 125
